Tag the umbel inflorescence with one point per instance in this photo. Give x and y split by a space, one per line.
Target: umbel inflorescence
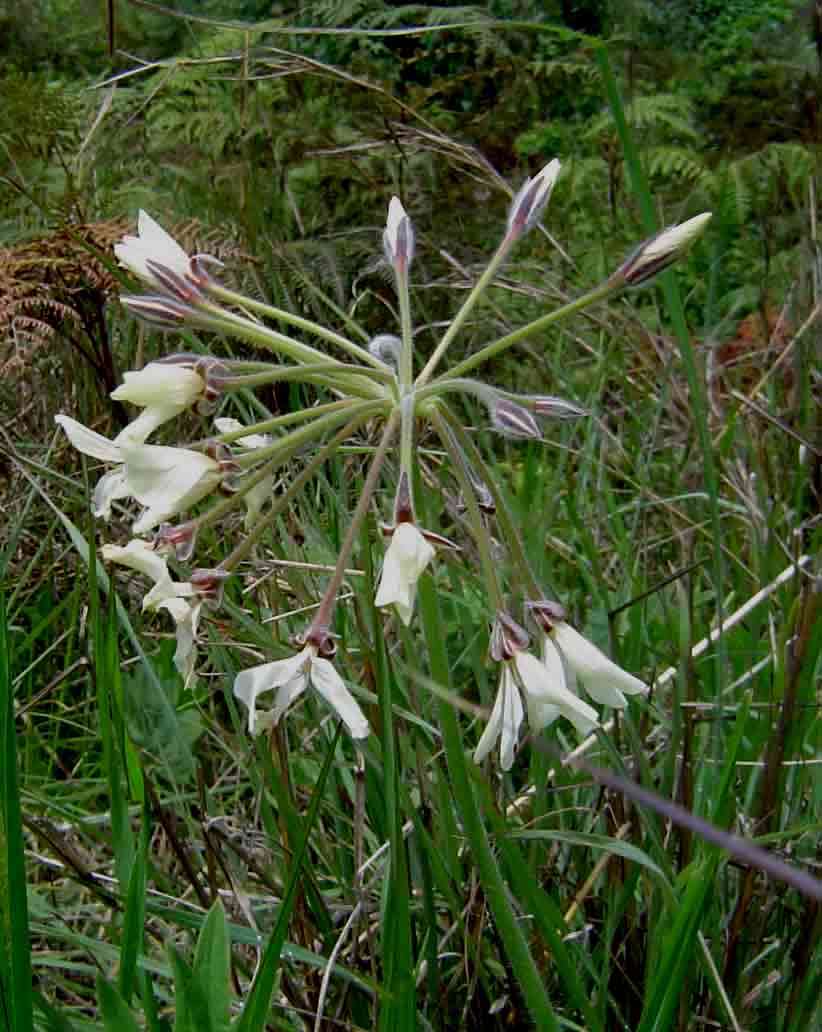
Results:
547 672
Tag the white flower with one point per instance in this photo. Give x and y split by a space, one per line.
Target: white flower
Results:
291 677
166 593
161 385
141 556
407 556
186 618
532 197
546 698
603 680
398 236
152 243
257 496
165 480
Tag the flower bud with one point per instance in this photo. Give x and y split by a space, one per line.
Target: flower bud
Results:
512 420
386 347
546 613
548 406
156 310
660 251
531 199
398 236
507 638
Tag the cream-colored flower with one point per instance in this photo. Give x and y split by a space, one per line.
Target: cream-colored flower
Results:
290 677
165 480
407 556
662 250
546 698
161 385
179 598
152 243
602 679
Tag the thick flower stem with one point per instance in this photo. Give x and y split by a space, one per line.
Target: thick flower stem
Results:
322 619
293 489
303 415
599 293
478 529
291 319
479 287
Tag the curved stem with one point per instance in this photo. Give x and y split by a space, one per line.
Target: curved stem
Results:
296 485
497 259
322 619
298 321
597 294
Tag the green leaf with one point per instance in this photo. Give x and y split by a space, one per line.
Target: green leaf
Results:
211 966
15 950
113 1008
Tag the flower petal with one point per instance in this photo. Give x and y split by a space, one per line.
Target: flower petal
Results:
492 728
252 682
161 384
407 556
538 681
512 715
330 685
108 489
152 242
89 442
603 680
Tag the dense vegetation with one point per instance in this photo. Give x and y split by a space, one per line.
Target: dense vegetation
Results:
168 857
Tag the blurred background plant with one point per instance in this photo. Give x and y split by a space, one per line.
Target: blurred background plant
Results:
273 135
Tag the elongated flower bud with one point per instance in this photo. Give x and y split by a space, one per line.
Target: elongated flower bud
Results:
157 310
398 237
531 199
660 251
511 419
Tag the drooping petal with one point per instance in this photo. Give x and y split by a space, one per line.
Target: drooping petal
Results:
512 716
186 617
540 682
109 488
602 679
167 481
161 384
227 425
492 728
287 693
504 722
406 559
89 442
138 555
252 682
330 685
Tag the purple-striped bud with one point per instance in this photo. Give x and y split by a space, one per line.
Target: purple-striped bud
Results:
507 638
398 236
547 406
660 251
157 310
547 614
531 199
511 419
